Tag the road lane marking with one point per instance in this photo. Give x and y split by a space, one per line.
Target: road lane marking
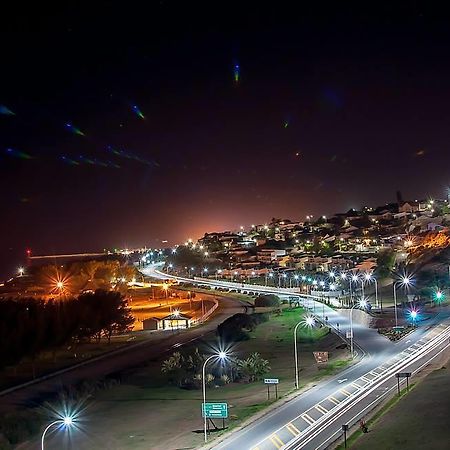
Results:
276 441
321 409
376 374
307 419
345 392
334 400
367 380
357 386
293 429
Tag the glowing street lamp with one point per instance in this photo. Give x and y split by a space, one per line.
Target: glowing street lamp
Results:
353 279
369 277
413 314
221 356
21 271
307 321
439 296
404 281
65 422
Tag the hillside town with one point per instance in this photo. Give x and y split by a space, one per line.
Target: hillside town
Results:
349 240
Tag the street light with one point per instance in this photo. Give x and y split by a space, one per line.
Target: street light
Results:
362 304
220 356
370 277
65 422
413 314
354 278
308 321
21 271
405 281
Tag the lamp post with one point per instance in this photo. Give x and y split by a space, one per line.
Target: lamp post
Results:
369 277
404 281
65 422
439 296
314 302
344 278
309 321
21 271
353 279
221 356
363 304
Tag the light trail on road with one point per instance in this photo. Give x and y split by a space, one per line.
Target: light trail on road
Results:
313 419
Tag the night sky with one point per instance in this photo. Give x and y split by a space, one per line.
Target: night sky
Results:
333 108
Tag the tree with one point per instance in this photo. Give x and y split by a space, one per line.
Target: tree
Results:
267 300
173 367
253 368
385 263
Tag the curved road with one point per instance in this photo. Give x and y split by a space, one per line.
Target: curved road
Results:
313 420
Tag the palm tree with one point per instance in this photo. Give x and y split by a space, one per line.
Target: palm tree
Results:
254 367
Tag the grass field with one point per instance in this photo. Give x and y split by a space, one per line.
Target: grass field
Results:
144 412
417 421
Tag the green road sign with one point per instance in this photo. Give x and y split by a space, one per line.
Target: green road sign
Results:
215 410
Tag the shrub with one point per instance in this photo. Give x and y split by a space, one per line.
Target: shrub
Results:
235 328
253 368
17 427
267 300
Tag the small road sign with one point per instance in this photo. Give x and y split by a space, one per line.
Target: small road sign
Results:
215 410
271 380
403 374
321 357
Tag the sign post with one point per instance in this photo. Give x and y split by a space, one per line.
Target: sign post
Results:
215 410
344 429
268 382
402 375
321 357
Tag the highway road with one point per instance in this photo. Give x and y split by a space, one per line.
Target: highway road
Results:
314 419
